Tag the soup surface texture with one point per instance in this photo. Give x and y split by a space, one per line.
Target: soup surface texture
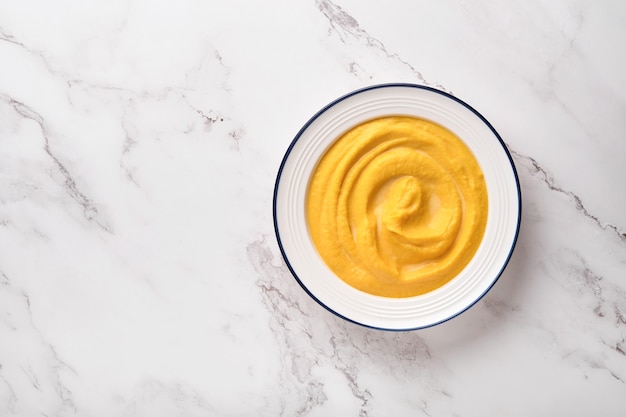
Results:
397 206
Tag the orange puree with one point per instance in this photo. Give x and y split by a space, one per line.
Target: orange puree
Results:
397 206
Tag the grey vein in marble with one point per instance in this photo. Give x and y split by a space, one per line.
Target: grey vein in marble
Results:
8 38
347 26
44 373
604 302
89 208
538 171
310 339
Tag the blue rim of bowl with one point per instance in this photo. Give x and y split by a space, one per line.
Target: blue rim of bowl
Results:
375 87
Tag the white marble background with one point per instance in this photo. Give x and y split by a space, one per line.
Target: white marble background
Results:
139 272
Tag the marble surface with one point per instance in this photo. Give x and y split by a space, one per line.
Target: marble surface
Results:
139 272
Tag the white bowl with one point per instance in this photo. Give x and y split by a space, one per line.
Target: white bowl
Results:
472 282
